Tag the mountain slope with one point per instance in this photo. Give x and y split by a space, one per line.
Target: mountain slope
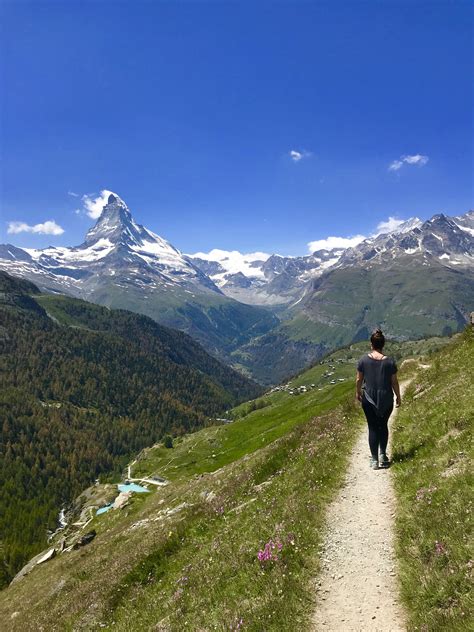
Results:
415 282
122 264
189 551
260 279
84 387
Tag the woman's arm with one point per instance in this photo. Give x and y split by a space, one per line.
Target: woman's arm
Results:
359 382
396 390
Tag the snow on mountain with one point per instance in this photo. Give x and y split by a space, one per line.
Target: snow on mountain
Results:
119 250
408 225
230 262
432 239
465 222
116 246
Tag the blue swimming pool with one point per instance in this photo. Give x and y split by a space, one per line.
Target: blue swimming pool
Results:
103 509
132 487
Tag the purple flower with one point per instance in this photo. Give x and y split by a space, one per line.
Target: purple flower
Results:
267 554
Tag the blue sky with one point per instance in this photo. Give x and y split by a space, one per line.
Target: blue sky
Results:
189 111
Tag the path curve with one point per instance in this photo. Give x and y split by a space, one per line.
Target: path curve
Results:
357 589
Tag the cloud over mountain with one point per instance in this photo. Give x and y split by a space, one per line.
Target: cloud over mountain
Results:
94 205
335 242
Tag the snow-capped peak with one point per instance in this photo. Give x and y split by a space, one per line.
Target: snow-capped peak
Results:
115 223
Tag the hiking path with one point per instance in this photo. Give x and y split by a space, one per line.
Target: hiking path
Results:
357 589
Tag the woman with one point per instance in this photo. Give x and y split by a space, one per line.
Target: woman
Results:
377 376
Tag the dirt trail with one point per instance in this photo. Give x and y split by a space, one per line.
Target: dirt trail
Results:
357 588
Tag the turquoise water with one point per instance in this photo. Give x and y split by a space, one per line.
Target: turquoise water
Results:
103 509
132 487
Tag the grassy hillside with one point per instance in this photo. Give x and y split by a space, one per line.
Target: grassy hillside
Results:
188 552
186 555
82 389
434 483
406 298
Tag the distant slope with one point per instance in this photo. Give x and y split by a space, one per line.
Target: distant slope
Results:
407 299
82 388
434 454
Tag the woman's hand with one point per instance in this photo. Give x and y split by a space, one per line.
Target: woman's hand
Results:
359 397
398 402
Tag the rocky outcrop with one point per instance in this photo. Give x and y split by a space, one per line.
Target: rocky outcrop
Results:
42 557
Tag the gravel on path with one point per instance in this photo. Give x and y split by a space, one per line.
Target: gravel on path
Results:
357 589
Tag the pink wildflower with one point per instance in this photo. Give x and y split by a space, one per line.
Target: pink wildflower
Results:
267 554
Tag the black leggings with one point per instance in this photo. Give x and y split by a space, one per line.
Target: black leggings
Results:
378 429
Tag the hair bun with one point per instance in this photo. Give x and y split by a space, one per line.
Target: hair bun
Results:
377 339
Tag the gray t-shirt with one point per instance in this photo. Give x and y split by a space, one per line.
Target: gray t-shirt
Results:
378 382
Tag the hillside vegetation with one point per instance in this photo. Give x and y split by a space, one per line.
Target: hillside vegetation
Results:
233 541
187 555
434 483
82 389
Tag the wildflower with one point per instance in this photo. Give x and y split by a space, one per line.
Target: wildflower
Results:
267 554
440 548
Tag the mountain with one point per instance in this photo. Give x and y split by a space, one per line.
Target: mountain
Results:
269 315
83 388
124 265
415 282
259 279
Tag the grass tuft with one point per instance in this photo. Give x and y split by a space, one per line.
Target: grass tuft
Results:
433 479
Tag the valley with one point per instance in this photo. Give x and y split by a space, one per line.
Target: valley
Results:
84 388
262 476
268 316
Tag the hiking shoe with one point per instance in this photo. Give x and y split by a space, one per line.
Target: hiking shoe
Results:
374 464
384 461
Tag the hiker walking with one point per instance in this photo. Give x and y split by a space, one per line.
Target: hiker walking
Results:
375 384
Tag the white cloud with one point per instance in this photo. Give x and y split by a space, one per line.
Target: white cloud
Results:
72 194
415 159
335 242
391 224
46 228
296 155
395 165
94 205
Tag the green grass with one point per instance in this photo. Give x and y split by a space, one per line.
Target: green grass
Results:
269 479
275 415
434 482
212 448
269 475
